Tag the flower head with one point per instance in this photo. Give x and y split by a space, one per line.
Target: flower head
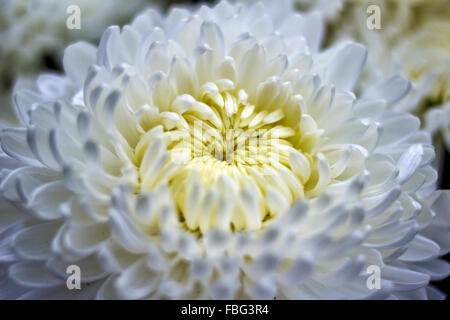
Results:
218 153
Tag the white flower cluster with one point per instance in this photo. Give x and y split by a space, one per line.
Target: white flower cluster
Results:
32 29
413 40
142 165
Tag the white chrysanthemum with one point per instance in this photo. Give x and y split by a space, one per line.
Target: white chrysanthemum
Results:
31 29
329 8
413 40
218 154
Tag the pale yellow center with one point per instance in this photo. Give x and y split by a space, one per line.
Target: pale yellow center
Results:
229 164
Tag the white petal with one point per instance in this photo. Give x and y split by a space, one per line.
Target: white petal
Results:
137 281
35 242
409 162
392 89
77 59
47 200
404 279
346 66
420 248
398 127
33 275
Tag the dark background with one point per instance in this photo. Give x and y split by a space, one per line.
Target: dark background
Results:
444 285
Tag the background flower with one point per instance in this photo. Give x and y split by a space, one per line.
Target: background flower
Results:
34 34
413 40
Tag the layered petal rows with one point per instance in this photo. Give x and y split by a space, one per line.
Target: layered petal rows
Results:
218 153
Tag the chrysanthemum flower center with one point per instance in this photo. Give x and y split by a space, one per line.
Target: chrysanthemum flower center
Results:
230 165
